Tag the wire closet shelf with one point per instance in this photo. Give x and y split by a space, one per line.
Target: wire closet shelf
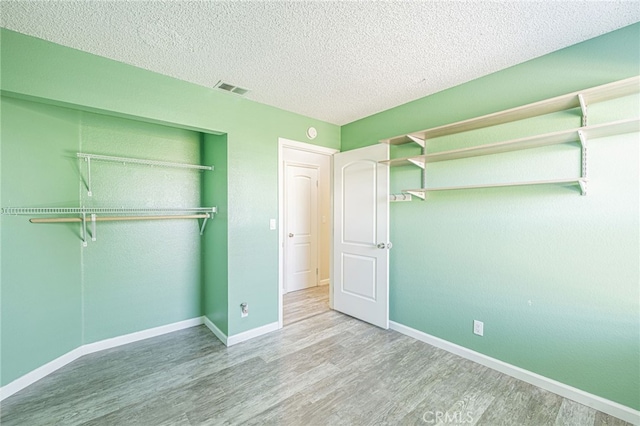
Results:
90 214
103 210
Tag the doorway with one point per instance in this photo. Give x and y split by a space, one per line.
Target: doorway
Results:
301 305
304 198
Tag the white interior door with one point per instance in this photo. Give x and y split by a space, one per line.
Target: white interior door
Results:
361 234
301 247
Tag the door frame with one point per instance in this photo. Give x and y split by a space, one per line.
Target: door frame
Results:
300 146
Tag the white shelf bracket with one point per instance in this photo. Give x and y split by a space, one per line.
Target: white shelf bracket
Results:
420 194
93 227
583 171
204 224
214 210
583 144
424 167
416 140
88 160
84 230
583 186
583 107
417 162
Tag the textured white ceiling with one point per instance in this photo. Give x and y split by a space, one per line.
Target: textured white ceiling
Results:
337 61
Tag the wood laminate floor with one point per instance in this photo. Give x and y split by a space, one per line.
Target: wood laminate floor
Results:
328 369
303 304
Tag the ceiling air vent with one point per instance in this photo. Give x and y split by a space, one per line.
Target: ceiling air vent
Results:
231 88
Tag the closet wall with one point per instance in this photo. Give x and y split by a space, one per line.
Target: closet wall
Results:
136 275
140 274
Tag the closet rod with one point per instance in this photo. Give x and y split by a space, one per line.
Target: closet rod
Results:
118 218
111 158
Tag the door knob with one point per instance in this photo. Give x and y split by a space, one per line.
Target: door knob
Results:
290 235
381 246
389 245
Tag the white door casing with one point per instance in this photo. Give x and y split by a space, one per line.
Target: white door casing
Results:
301 239
290 151
361 234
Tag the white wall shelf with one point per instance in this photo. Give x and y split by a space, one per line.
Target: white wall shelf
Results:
421 193
126 160
564 136
577 99
581 134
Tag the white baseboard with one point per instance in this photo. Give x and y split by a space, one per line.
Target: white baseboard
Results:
324 282
140 335
43 371
215 330
40 372
601 404
250 334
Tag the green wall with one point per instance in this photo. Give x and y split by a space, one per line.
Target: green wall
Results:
553 275
215 295
41 310
35 70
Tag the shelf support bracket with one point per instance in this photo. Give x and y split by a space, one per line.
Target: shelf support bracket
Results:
204 224
424 166
88 160
416 140
583 107
84 230
214 210
420 194
93 227
583 145
583 186
415 161
583 171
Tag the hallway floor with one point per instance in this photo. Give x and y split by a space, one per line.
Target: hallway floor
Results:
302 304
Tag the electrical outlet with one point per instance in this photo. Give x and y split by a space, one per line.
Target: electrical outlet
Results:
244 310
478 327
